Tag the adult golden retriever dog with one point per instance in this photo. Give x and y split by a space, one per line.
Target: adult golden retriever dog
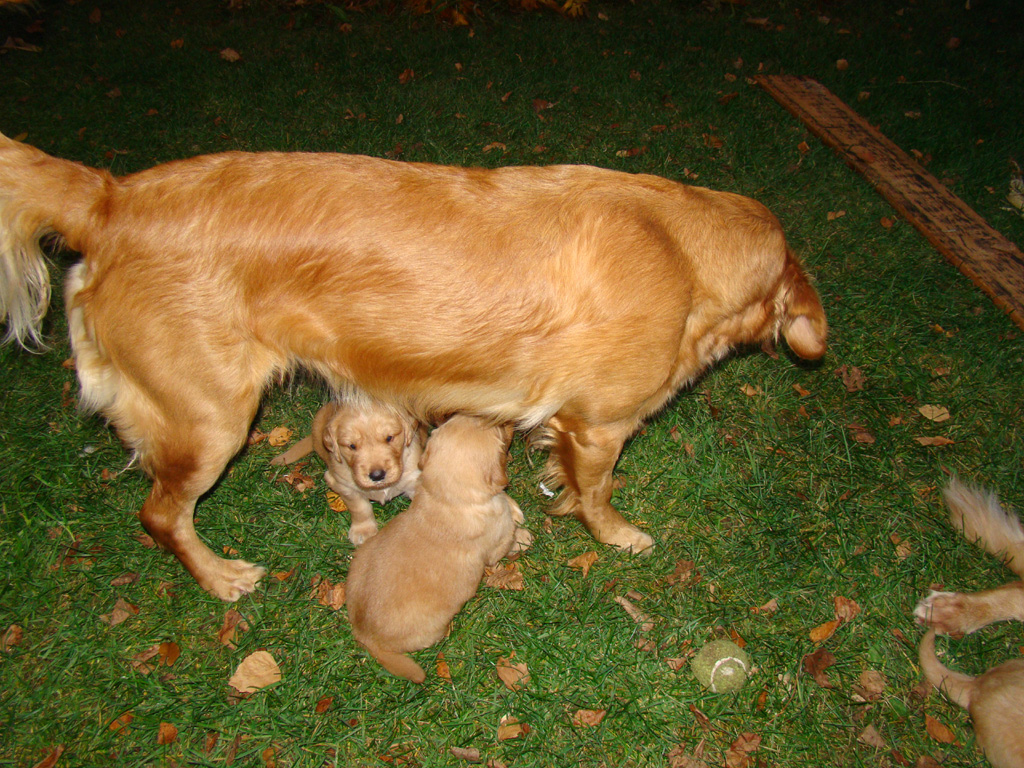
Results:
567 296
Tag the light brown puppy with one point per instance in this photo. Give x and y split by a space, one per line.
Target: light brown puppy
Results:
372 453
996 698
571 297
407 583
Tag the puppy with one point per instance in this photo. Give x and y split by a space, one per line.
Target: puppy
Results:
407 583
569 297
996 698
372 453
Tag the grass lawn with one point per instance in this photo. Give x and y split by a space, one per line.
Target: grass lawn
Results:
772 488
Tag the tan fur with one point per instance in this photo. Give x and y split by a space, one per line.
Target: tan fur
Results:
995 699
372 453
407 583
571 297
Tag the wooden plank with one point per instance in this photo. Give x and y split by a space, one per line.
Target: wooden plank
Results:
991 261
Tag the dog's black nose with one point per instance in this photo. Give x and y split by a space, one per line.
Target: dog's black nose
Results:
378 474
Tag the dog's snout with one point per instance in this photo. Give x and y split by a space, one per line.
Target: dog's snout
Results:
378 474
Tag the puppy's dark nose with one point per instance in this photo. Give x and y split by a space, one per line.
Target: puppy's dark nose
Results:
378 474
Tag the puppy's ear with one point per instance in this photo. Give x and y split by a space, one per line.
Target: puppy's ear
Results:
803 325
329 442
497 475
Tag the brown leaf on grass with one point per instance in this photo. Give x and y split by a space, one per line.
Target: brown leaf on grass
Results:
279 436
872 738
324 704
939 731
712 141
169 653
740 752
684 575
702 720
583 562
11 637
467 754
230 55
510 728
833 215
588 717
406 76
140 661
842 65
680 758
257 670
870 686
930 442
750 390
494 145
823 632
936 413
504 576
233 623
298 479
336 503
283 575
815 665
121 722
853 377
861 434
539 105
927 761
641 618
801 391
442 668
886 222
51 759
769 608
167 734
328 593
124 579
846 609
513 675
121 611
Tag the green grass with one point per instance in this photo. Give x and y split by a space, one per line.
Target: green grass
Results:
768 501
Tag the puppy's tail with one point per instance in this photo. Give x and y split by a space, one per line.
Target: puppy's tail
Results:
302 448
39 195
801 316
958 687
981 518
398 664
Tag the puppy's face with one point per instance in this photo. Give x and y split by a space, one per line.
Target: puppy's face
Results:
466 459
371 441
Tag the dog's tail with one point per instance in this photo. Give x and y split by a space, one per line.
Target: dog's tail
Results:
39 195
958 687
981 518
302 448
397 664
801 316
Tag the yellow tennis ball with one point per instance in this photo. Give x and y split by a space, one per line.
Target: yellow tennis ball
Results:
721 666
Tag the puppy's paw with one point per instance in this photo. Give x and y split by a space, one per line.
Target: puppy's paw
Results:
948 613
360 532
235 578
522 541
631 539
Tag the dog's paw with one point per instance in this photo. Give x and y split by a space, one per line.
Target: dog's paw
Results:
522 541
631 539
235 578
360 532
946 612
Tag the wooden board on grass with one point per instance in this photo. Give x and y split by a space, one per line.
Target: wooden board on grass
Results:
991 261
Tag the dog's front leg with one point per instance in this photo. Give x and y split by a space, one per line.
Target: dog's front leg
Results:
363 523
957 613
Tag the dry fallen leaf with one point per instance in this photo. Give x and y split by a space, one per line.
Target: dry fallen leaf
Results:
505 576
870 686
933 441
853 377
939 731
641 618
51 759
513 675
230 55
336 503
583 562
861 434
324 704
935 413
11 637
442 668
833 215
750 390
234 623
815 665
769 608
122 610
279 436
121 722
680 758
588 717
872 738
167 734
846 609
257 670
328 593
469 754
510 728
739 753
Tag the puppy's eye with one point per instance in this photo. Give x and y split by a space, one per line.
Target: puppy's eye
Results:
389 438
352 446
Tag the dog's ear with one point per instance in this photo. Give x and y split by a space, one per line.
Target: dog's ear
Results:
329 442
803 324
497 475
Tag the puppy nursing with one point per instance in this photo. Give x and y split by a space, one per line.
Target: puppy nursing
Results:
407 583
372 453
569 297
995 699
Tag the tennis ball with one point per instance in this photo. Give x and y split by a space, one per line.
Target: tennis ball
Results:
721 666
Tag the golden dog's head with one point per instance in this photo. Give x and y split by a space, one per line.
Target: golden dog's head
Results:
371 439
466 459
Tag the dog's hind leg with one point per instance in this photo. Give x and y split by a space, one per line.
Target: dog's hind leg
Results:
582 459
